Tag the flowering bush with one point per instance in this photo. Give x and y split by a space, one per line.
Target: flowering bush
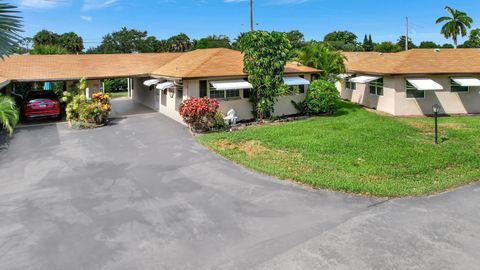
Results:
199 113
94 111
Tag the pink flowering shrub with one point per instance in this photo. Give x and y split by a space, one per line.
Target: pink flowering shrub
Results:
200 113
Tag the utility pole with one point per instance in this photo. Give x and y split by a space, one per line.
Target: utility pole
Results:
406 38
251 15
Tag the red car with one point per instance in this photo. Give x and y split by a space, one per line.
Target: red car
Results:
41 104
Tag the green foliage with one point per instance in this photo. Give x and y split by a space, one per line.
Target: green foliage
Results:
455 25
265 56
296 38
9 114
322 98
343 41
401 43
368 43
94 111
447 46
318 55
387 47
123 41
429 44
49 49
72 42
213 41
219 122
179 43
47 42
10 26
473 39
115 85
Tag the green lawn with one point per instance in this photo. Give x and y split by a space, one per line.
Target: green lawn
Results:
118 94
361 152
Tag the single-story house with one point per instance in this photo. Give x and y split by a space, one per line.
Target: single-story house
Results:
160 81
409 83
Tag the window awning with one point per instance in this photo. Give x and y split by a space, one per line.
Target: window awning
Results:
3 83
151 82
344 76
467 81
364 79
295 81
425 84
165 85
231 85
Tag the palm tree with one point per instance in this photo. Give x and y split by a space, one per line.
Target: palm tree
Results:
10 26
8 113
318 55
455 25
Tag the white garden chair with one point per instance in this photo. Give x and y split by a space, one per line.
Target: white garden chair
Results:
231 118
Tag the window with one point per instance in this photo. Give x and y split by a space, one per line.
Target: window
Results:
376 87
180 92
457 88
413 92
232 93
315 77
301 88
223 94
350 85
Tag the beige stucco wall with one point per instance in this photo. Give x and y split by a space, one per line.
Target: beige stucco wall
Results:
395 101
168 102
451 102
361 95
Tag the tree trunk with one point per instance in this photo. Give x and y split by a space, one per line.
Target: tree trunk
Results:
454 42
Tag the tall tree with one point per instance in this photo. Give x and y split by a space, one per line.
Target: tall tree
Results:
296 38
45 37
401 43
123 41
179 43
429 44
387 47
72 42
213 41
473 39
367 43
343 40
265 56
318 55
49 49
456 24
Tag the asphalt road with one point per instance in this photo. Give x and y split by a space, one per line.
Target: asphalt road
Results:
142 194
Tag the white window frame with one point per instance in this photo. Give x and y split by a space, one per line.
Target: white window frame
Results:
347 82
225 98
462 92
413 98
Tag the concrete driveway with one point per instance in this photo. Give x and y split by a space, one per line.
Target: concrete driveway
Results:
142 194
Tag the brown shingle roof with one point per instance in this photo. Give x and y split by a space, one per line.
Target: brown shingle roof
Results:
215 63
416 61
51 67
198 63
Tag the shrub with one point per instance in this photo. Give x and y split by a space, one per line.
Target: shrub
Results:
322 98
94 111
199 113
9 115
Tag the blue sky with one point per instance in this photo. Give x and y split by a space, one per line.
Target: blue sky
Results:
384 19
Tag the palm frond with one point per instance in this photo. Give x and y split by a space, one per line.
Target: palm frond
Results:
9 114
10 27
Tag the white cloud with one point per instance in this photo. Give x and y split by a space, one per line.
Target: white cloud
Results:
41 3
98 4
86 18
